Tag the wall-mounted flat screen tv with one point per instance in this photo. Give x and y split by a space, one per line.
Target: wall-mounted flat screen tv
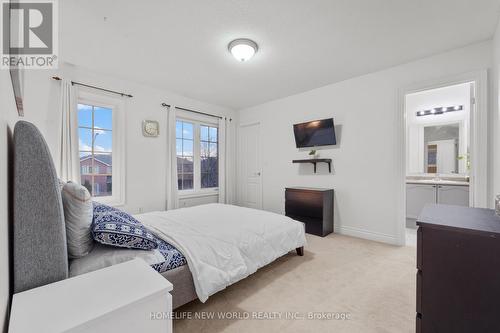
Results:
315 133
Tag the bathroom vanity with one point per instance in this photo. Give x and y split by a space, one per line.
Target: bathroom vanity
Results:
428 190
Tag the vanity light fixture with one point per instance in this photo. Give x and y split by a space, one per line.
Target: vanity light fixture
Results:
440 110
243 49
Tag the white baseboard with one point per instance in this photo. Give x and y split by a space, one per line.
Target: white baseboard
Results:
365 234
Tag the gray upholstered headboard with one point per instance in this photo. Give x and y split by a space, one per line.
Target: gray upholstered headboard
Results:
39 232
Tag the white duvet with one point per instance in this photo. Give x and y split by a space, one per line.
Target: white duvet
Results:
223 243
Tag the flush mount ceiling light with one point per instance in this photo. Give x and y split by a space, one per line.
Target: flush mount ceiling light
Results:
440 110
243 49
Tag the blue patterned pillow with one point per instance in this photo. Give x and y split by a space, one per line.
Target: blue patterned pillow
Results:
114 227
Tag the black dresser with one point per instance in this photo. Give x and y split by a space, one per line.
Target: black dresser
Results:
313 206
458 262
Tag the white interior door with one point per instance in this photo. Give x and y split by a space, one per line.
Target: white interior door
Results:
250 166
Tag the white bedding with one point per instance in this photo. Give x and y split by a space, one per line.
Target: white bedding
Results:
224 244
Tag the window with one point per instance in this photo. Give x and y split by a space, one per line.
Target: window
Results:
197 156
185 161
100 127
208 155
95 140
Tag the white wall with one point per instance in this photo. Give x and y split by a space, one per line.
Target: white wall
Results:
429 99
7 115
364 160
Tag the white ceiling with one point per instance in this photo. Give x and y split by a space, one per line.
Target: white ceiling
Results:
181 45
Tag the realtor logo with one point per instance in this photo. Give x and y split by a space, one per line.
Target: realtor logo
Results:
29 38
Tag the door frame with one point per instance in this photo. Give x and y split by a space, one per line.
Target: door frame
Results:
240 177
478 141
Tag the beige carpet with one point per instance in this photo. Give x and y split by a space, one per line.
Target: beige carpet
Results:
373 283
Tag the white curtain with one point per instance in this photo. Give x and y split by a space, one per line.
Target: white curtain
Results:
225 157
172 190
69 162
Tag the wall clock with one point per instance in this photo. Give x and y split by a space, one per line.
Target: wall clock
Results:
150 128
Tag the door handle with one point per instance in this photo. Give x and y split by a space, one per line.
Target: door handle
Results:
257 174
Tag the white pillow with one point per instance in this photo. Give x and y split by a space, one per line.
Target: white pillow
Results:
103 256
78 213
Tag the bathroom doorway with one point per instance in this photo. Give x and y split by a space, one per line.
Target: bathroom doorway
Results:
442 129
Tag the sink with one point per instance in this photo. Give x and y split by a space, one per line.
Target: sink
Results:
438 180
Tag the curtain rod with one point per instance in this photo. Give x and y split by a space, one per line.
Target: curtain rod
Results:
57 78
194 111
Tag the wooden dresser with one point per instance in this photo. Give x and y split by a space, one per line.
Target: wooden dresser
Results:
313 206
458 262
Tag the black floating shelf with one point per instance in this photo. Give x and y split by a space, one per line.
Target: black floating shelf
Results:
314 161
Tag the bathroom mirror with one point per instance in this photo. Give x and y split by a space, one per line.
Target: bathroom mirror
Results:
441 149
438 148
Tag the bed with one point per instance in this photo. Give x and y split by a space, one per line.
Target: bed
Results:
217 245
222 245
